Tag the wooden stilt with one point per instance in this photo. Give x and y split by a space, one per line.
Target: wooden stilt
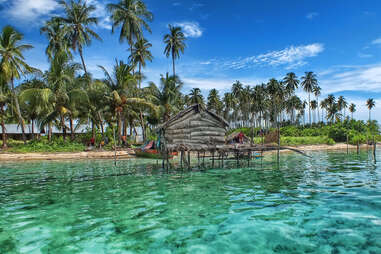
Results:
203 160
213 159
189 161
358 147
181 159
374 149
248 158
347 144
198 159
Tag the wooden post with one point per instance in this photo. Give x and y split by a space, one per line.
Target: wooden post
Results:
114 148
167 160
347 144
189 160
213 159
181 158
203 160
248 158
198 159
222 159
374 149
237 154
358 147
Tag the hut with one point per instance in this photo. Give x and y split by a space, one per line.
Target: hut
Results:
194 128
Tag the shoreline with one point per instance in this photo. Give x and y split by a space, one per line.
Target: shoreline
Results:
126 154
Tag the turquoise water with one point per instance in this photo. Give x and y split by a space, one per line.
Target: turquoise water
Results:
328 204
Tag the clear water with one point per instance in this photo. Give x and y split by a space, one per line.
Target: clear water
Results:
328 204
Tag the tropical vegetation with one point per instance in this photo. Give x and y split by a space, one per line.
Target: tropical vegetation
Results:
66 95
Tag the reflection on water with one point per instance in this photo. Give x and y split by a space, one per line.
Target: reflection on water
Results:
328 204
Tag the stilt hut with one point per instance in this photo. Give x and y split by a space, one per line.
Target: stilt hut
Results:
194 128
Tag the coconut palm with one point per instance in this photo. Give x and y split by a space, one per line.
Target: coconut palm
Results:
195 96
370 103
13 65
140 54
333 113
214 101
291 81
314 106
175 43
352 109
122 84
56 33
170 95
4 101
308 84
317 93
132 16
77 21
342 104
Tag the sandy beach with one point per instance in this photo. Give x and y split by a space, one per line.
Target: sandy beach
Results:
4 156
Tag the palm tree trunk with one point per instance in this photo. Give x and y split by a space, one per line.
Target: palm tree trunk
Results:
4 134
63 127
119 128
32 128
318 114
83 61
143 127
173 64
18 112
71 128
50 131
101 124
309 107
140 75
369 115
92 129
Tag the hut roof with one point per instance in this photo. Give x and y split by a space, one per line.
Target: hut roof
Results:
197 108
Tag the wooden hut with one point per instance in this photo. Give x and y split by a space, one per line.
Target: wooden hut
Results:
194 128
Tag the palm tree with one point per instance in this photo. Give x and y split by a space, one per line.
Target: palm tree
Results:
308 83
333 112
170 95
13 65
291 81
317 93
195 96
314 106
77 21
214 101
56 32
4 100
122 84
140 54
342 104
370 103
352 109
132 16
174 44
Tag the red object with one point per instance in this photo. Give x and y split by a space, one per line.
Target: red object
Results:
92 141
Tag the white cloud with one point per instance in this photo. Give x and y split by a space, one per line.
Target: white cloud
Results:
101 12
190 29
176 4
292 57
30 10
312 15
362 55
357 78
377 41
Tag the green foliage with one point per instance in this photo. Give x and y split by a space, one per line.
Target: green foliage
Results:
44 146
294 141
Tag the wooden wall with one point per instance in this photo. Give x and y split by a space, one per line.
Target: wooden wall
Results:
195 128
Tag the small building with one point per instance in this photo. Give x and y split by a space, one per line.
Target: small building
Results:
194 128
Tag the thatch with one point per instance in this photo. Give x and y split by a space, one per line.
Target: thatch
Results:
194 127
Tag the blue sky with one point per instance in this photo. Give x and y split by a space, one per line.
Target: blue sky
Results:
250 41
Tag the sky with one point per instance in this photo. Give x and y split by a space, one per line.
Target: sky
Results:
246 40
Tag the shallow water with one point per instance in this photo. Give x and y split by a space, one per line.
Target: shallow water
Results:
328 204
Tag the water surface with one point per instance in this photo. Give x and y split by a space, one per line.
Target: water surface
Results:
328 204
